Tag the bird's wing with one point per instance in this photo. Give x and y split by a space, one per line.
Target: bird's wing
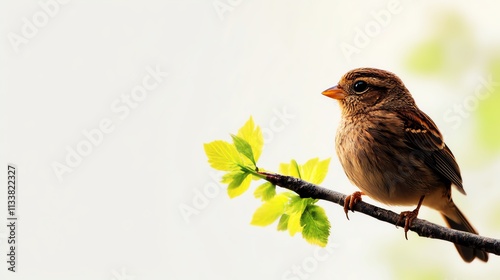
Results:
421 133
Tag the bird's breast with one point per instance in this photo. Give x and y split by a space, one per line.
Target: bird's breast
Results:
376 159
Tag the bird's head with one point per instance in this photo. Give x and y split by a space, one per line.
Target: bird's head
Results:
364 89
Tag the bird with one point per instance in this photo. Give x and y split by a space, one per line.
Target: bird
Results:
394 153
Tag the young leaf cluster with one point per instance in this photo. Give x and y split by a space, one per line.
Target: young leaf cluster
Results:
293 213
238 159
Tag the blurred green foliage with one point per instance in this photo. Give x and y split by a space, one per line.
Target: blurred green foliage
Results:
450 52
446 52
488 111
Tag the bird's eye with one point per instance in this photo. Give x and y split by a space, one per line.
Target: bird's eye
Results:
360 86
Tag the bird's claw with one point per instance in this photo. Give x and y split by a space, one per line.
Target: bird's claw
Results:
350 201
408 216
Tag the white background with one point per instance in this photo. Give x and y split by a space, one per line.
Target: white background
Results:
117 215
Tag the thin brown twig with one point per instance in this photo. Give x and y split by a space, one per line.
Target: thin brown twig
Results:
421 227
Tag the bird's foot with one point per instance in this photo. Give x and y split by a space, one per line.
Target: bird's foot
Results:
350 201
409 216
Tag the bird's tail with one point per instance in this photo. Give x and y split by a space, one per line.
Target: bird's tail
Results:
456 220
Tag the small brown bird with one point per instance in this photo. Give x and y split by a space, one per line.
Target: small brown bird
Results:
394 152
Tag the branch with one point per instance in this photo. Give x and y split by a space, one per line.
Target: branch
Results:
421 227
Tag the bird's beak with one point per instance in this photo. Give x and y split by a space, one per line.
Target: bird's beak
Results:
335 93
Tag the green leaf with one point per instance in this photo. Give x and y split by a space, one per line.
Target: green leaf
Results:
244 148
222 155
314 170
294 169
265 191
290 169
283 168
316 227
294 209
271 210
294 225
253 135
239 182
229 176
283 222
